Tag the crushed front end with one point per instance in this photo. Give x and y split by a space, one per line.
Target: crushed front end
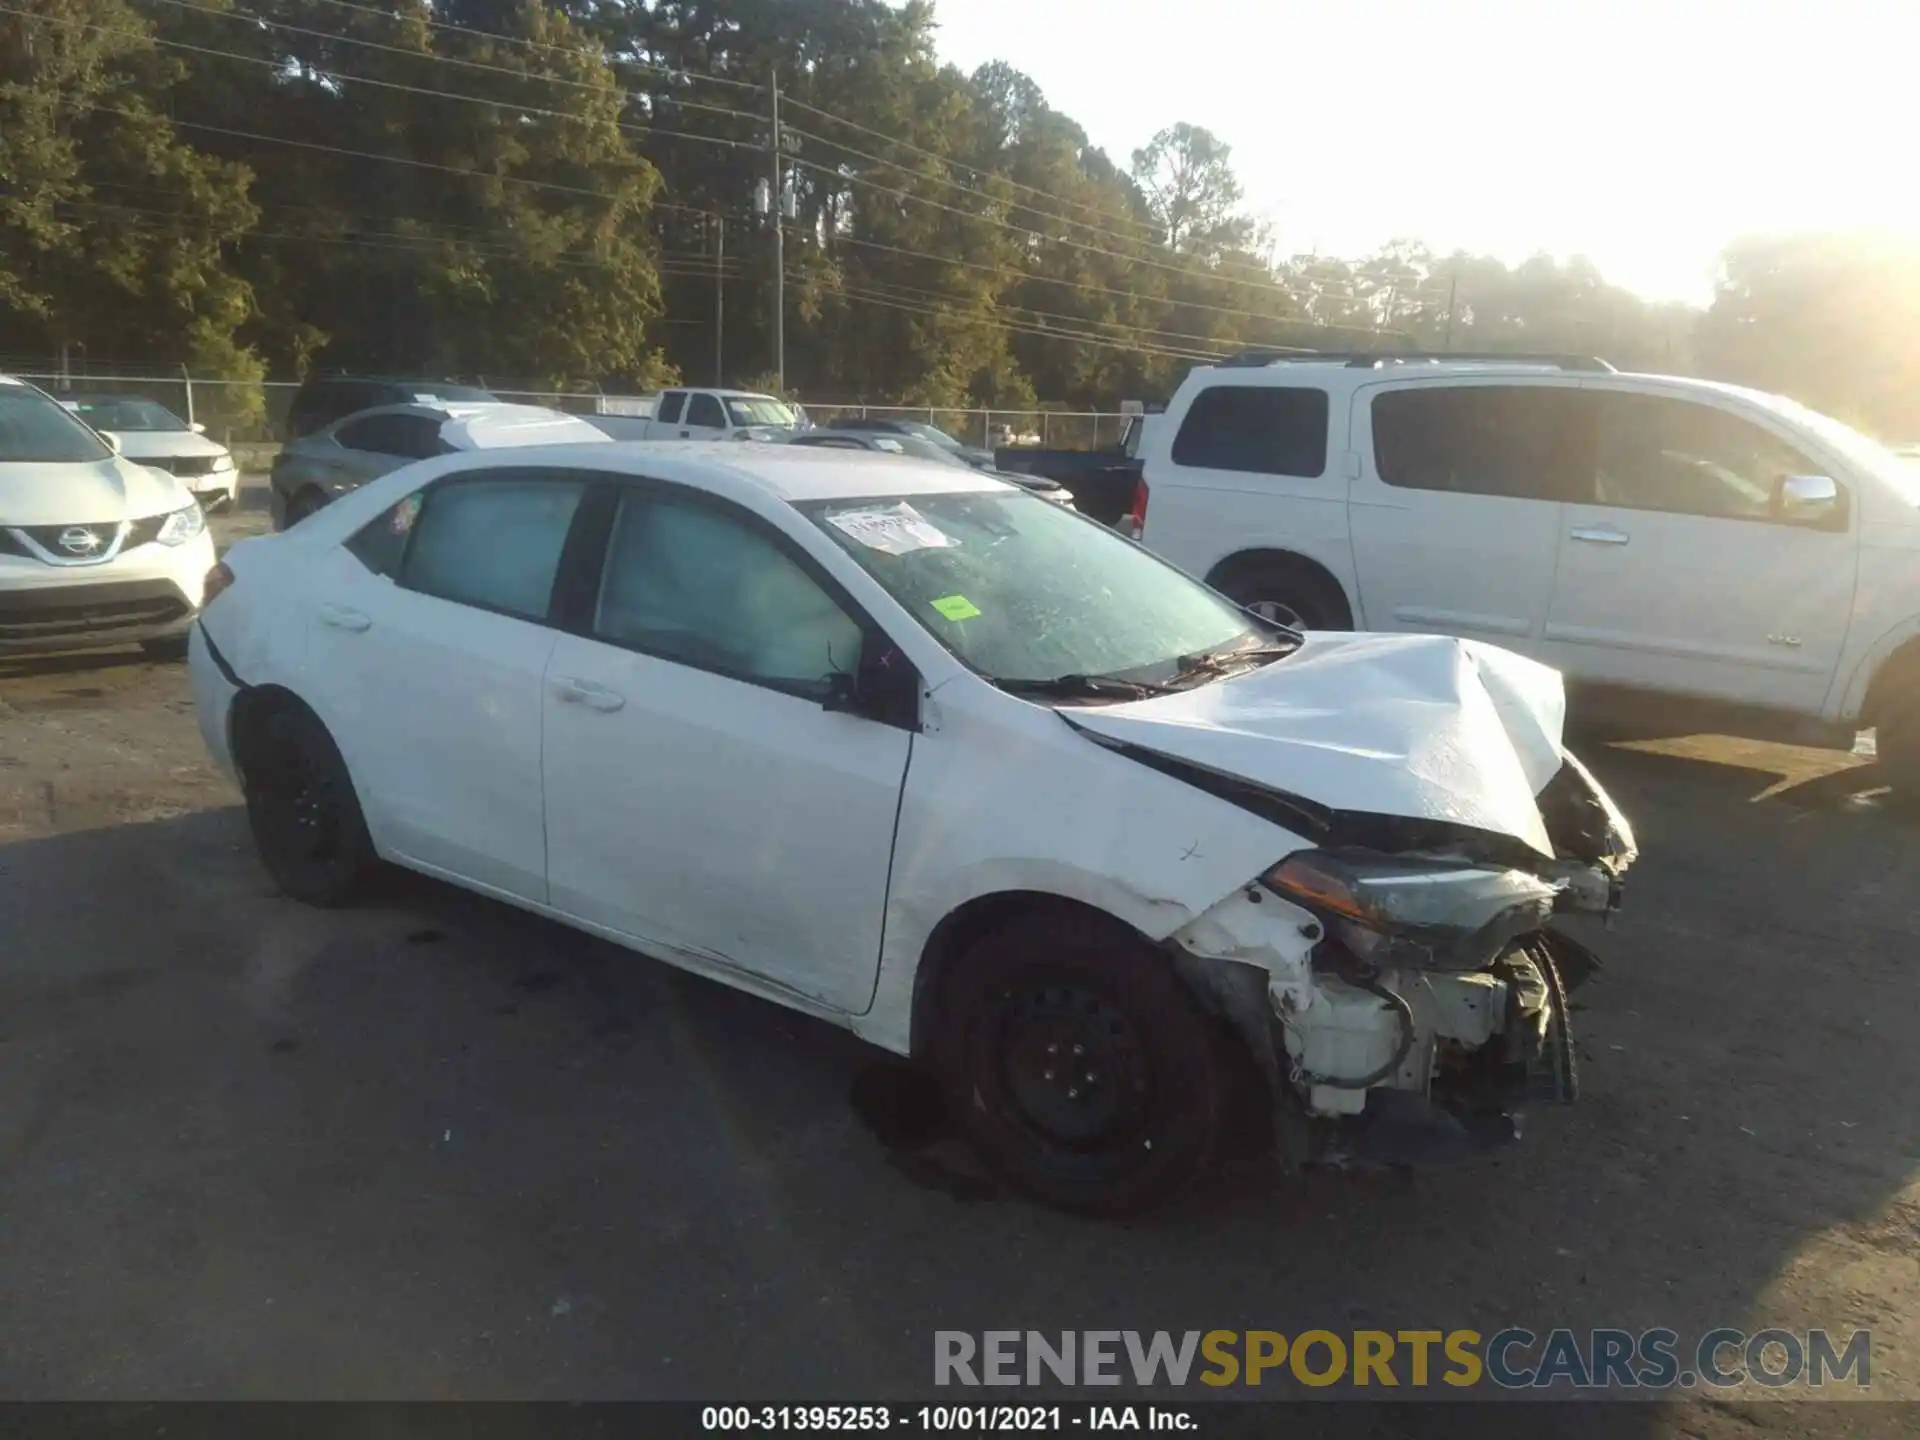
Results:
1400 983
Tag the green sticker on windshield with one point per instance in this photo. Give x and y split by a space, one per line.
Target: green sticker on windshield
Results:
956 607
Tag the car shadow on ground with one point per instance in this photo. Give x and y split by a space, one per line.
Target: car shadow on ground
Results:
433 1146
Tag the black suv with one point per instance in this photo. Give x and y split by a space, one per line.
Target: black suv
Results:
327 398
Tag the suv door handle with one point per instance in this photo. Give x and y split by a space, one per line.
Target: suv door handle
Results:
570 691
341 618
1599 535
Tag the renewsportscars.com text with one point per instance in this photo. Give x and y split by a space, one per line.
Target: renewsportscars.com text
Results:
1513 1359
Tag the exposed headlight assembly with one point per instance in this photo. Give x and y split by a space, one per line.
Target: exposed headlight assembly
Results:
1429 913
221 464
182 525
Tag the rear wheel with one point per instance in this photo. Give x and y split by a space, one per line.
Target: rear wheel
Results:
307 502
1286 593
301 806
1078 1063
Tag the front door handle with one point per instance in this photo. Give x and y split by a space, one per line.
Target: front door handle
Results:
341 618
584 692
1599 534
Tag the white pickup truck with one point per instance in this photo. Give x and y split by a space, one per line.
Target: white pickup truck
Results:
708 415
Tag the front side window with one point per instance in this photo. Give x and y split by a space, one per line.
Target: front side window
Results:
495 544
694 583
374 434
1658 453
1255 429
705 410
1024 591
1526 442
36 430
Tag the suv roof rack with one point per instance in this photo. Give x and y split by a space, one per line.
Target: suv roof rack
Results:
1373 359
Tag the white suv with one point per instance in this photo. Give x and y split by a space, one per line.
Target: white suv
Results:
94 549
1751 562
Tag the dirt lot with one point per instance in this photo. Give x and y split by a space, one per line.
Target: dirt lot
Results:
433 1147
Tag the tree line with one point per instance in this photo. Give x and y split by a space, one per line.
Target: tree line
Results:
571 193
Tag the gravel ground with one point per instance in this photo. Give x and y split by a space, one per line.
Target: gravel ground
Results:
433 1147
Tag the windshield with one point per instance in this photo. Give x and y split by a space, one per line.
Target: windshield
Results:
36 430
762 411
111 413
1022 590
1901 476
933 434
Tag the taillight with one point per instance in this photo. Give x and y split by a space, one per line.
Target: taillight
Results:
1134 523
219 578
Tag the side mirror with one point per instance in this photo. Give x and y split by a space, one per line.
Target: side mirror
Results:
1805 498
197 428
113 440
887 689
843 694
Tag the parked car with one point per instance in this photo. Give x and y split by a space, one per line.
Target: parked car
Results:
1738 558
1104 483
709 415
912 446
318 468
920 430
95 550
913 751
152 435
326 398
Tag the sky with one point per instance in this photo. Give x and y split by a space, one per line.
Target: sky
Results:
1643 135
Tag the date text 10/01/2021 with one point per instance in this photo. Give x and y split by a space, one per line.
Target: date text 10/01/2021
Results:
944 1418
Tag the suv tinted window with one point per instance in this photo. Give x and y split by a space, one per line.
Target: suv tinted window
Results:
694 583
492 543
1261 429
1528 442
670 406
705 410
416 437
1658 453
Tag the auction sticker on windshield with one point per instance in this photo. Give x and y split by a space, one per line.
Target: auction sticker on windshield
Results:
896 529
955 607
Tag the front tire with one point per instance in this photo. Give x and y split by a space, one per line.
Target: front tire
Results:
1078 1063
307 502
302 809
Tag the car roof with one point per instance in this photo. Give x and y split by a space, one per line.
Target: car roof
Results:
794 474
487 424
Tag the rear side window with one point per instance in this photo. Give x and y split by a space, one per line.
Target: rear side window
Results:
705 410
670 406
1256 429
494 544
1525 442
414 437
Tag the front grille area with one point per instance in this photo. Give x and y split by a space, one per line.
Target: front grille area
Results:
181 464
48 538
73 612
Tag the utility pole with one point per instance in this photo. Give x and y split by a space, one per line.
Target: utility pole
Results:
775 207
1453 286
719 299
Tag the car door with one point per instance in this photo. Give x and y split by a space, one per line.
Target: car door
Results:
706 420
1677 572
428 644
701 797
1456 514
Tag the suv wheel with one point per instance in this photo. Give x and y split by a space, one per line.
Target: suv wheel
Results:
1077 1062
1287 593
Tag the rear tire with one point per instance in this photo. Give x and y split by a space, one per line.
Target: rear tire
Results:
307 502
302 809
1078 1064
1287 593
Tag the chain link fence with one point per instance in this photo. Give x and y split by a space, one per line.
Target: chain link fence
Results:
253 413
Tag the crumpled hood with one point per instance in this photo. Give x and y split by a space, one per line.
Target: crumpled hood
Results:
103 492
166 444
1419 726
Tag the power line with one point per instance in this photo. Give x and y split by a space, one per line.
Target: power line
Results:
248 17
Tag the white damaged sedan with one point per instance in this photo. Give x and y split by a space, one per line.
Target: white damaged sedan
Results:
908 749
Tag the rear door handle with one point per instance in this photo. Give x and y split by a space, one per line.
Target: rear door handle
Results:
341 618
1599 535
570 691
